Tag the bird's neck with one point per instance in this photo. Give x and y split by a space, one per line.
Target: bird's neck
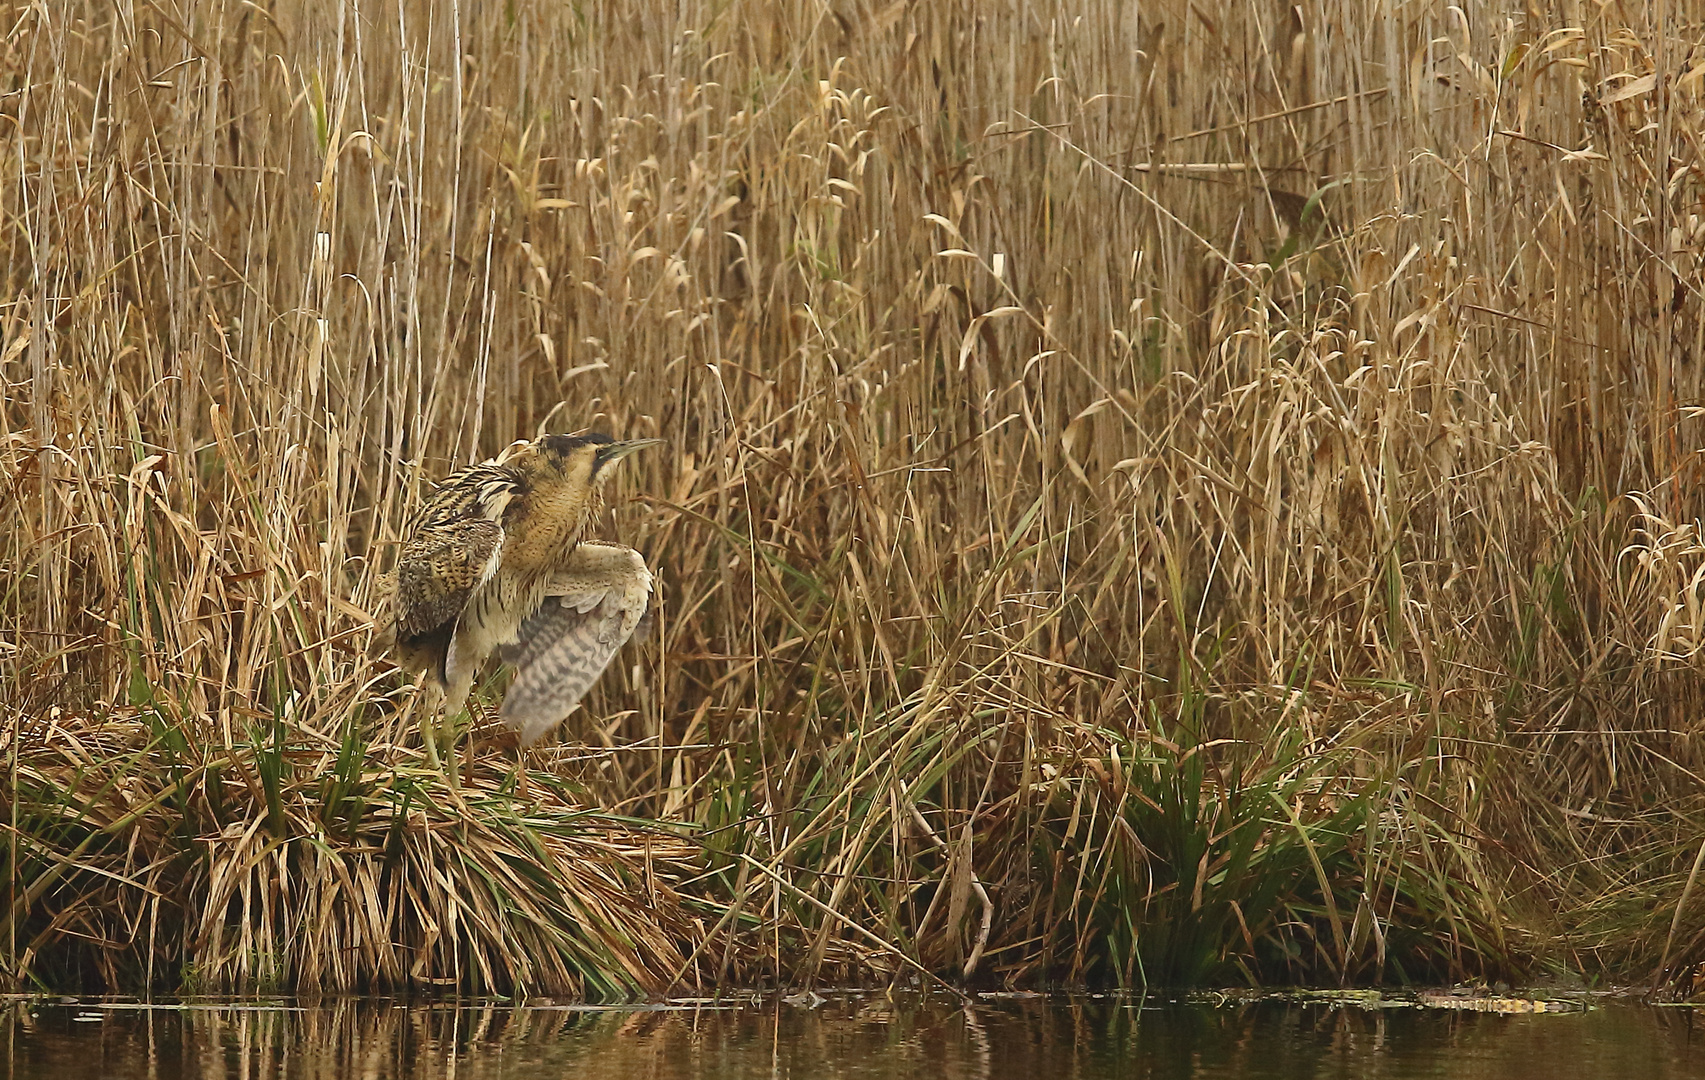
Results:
552 523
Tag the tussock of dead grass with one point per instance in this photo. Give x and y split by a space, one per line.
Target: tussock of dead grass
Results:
143 861
1052 393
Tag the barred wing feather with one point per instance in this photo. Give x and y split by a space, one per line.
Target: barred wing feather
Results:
590 610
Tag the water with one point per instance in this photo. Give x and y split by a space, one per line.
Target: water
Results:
851 1035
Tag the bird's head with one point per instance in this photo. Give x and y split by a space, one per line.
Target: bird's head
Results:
562 478
585 458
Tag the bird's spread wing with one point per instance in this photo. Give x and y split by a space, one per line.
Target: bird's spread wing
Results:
592 607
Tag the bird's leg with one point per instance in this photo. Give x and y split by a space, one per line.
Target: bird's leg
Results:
429 736
452 755
432 728
450 731
463 748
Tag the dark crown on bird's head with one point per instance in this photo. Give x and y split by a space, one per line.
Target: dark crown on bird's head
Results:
560 449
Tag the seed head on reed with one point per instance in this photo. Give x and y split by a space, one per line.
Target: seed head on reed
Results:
1135 465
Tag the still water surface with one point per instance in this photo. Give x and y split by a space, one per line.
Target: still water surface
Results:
851 1035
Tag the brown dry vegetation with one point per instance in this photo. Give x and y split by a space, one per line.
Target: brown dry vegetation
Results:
1154 492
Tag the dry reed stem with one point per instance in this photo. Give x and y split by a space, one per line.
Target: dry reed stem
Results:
1033 376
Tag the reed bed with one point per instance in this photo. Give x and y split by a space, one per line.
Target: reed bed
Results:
1154 493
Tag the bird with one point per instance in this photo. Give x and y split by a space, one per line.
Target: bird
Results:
495 560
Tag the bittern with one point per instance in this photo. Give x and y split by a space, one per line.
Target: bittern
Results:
495 561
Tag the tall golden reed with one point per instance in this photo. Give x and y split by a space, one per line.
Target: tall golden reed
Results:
1056 395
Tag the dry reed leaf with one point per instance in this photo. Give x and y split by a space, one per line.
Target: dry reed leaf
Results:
1368 523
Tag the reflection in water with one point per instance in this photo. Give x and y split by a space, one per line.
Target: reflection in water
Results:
847 1035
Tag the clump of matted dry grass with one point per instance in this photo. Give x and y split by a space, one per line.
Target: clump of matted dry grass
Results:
140 858
1100 438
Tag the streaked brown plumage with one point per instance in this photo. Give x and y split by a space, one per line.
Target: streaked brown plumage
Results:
494 559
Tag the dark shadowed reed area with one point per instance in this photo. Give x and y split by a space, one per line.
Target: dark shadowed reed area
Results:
1154 493
846 1037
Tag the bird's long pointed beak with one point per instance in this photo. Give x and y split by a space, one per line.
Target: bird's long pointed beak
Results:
617 450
